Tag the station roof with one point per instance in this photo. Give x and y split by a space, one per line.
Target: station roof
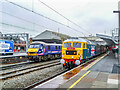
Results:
107 38
49 40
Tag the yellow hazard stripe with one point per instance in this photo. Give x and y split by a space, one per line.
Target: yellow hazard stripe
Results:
78 80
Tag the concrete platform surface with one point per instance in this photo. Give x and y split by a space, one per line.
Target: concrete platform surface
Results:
107 64
93 80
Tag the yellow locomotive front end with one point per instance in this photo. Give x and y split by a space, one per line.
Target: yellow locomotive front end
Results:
69 51
33 51
72 52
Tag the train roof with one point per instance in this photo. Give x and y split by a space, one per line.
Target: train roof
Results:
81 40
39 42
77 40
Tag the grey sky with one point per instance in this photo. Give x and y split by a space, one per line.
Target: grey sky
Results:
95 16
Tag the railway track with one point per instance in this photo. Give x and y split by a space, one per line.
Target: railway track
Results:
46 79
23 71
11 66
5 67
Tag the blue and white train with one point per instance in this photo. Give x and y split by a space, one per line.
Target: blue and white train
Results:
6 47
38 51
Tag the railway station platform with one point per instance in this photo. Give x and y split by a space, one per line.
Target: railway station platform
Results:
101 73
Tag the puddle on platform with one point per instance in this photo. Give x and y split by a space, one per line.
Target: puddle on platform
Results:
70 74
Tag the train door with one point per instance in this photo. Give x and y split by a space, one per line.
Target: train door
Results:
84 50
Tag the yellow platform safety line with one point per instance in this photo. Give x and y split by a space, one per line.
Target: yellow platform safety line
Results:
86 68
78 80
90 65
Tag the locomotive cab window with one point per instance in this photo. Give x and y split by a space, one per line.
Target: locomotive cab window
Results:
77 45
48 47
66 45
41 46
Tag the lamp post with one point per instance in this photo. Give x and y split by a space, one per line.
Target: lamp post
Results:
118 32
118 36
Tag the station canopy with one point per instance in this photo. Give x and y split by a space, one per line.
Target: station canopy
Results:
107 39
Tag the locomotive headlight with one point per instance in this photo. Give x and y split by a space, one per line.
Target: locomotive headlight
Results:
62 61
72 56
77 62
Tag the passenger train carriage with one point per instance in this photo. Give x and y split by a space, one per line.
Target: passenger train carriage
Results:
77 51
38 51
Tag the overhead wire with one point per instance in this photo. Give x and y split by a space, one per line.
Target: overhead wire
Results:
43 16
63 16
16 26
24 20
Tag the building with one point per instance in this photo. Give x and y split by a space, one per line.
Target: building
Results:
50 37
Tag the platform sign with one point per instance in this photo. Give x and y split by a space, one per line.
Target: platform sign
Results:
92 50
6 46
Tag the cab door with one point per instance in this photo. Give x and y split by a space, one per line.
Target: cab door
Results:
84 46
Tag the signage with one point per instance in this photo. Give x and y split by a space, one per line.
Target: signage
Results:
70 48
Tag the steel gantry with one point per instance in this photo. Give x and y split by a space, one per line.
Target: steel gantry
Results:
17 38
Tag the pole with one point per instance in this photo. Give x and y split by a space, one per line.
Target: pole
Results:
119 41
118 32
27 41
119 35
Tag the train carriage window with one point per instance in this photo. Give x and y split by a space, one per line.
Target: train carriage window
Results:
44 46
59 47
83 45
56 47
48 47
